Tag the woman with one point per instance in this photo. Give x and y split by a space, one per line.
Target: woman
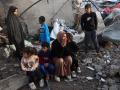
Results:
15 31
61 56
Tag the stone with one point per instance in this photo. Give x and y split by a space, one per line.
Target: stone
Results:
89 78
110 81
98 68
3 68
16 65
114 69
113 87
105 87
87 60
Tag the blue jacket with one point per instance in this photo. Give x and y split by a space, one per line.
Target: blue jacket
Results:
44 33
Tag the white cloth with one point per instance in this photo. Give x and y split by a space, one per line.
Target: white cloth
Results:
54 32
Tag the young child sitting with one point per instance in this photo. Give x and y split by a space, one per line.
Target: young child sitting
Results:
46 65
73 49
30 64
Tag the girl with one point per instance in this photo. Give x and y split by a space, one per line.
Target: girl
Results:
30 63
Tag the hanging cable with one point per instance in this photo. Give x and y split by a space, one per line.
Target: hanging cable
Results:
29 7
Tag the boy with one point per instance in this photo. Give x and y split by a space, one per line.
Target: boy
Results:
89 25
46 66
44 31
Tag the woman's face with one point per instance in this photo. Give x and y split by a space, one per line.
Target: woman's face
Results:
64 38
16 12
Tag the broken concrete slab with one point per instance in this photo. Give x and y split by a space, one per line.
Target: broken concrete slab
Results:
13 82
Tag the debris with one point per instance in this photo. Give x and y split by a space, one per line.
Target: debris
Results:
90 68
98 68
89 78
103 80
87 60
3 68
77 37
16 65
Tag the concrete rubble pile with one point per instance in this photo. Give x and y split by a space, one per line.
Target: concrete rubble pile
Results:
105 69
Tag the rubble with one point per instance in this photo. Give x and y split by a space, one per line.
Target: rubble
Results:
89 78
112 33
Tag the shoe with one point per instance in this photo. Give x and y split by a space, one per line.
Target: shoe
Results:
57 78
78 70
69 77
32 86
74 74
41 83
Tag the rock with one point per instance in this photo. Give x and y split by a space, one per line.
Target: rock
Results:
113 87
90 68
87 60
3 68
105 87
102 80
114 69
16 65
89 78
110 81
98 68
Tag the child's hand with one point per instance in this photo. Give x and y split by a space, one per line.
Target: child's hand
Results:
46 64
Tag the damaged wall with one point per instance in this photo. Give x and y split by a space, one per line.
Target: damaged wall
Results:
42 8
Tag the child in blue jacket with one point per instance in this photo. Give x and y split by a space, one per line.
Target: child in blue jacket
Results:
44 31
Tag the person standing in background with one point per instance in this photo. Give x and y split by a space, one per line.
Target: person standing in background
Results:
15 30
44 31
89 26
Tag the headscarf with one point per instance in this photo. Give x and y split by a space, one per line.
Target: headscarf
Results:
60 36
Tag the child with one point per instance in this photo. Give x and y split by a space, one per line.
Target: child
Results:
46 66
89 25
73 49
44 31
30 64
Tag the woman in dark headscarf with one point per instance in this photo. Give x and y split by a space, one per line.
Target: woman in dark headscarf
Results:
15 31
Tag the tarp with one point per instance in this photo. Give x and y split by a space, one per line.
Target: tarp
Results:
111 0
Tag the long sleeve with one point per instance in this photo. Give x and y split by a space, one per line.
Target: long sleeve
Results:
82 22
57 49
96 21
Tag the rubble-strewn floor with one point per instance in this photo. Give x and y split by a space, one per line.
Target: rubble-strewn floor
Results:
103 71
8 67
